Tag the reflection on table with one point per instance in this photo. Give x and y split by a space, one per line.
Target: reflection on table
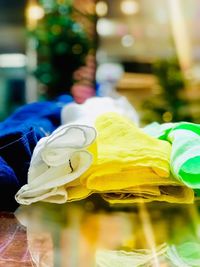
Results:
92 234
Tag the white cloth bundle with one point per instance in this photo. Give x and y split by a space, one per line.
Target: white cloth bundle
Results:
96 106
57 160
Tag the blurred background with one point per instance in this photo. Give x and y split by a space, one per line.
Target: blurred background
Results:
146 50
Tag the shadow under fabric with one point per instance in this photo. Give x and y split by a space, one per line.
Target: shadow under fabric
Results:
19 135
132 166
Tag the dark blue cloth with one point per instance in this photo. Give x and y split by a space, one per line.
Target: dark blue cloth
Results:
17 141
41 110
20 133
8 186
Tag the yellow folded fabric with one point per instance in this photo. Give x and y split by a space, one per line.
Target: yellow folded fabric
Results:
132 166
77 191
171 194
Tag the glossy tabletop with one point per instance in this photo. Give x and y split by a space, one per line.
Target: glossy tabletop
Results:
71 235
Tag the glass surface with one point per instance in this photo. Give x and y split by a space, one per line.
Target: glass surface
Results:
76 234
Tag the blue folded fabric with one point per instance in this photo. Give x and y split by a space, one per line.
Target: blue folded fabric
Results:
9 185
40 110
17 141
20 133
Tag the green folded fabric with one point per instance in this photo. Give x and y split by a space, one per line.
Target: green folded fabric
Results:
185 155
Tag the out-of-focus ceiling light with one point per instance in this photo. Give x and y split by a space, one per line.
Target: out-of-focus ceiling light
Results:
12 61
101 8
127 40
35 12
105 27
129 7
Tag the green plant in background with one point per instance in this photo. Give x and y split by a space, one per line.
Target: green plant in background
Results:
61 44
169 104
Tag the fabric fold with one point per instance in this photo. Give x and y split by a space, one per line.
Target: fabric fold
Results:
132 166
9 186
122 163
19 135
58 160
185 157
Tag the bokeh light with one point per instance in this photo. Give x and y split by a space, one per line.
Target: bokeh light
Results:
101 8
129 7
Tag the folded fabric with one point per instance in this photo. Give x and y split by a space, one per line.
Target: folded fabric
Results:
58 160
17 144
136 258
172 193
132 166
8 187
185 156
94 107
45 109
19 135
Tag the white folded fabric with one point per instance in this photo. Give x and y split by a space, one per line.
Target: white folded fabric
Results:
95 106
57 160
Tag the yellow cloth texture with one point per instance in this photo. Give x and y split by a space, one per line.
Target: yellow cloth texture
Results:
131 166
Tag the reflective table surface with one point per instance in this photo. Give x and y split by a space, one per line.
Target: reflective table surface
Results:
86 233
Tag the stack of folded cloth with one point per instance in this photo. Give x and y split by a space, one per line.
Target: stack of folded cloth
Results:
132 166
129 165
